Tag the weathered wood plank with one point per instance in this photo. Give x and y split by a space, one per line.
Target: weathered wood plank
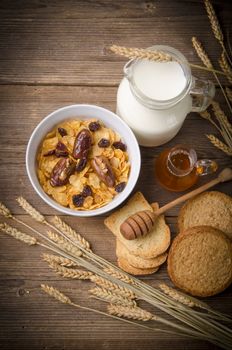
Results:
60 46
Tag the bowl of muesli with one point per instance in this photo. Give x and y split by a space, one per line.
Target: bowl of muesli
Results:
83 160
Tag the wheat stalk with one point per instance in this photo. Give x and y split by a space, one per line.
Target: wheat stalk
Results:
104 283
207 116
225 67
119 275
199 327
50 258
23 237
63 243
229 93
4 211
109 296
70 273
182 298
30 210
135 313
219 144
55 293
71 233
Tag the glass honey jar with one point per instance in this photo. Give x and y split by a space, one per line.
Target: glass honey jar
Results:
178 169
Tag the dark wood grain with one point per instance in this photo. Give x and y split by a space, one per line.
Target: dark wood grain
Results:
55 53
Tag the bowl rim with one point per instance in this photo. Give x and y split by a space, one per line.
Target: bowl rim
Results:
95 212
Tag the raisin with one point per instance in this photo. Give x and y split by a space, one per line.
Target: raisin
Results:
120 187
119 145
81 165
49 153
61 150
62 132
78 200
94 126
103 143
87 191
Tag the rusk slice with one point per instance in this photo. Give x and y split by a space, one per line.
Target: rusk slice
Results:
211 208
124 265
200 261
154 243
137 261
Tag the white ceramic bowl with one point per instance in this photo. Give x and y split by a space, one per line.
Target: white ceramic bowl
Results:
84 111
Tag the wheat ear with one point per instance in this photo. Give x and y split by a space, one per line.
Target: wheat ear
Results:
201 52
222 117
4 211
214 21
215 25
55 293
219 144
135 313
70 233
182 298
104 283
205 59
121 276
64 244
225 67
133 52
229 93
12 231
50 258
108 296
70 273
30 210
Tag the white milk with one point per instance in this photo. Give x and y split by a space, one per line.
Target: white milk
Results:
157 81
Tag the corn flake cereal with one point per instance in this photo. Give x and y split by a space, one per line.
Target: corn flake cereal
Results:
80 183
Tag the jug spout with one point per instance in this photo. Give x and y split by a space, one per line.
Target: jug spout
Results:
127 69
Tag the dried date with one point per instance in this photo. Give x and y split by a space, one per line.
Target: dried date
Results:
103 169
81 165
61 172
82 144
49 153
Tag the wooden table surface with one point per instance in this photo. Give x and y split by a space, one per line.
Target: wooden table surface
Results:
55 53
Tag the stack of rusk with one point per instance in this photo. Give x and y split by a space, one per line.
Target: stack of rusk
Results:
143 255
200 258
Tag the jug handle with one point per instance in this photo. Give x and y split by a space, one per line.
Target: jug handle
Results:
202 93
205 167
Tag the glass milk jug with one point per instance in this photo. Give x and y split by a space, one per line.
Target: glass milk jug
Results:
154 98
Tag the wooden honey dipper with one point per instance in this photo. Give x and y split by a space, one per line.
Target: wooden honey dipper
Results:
140 223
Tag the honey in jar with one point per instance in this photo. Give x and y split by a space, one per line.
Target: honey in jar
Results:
178 169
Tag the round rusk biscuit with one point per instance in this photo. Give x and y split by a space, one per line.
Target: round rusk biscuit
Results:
210 208
200 261
124 265
136 261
